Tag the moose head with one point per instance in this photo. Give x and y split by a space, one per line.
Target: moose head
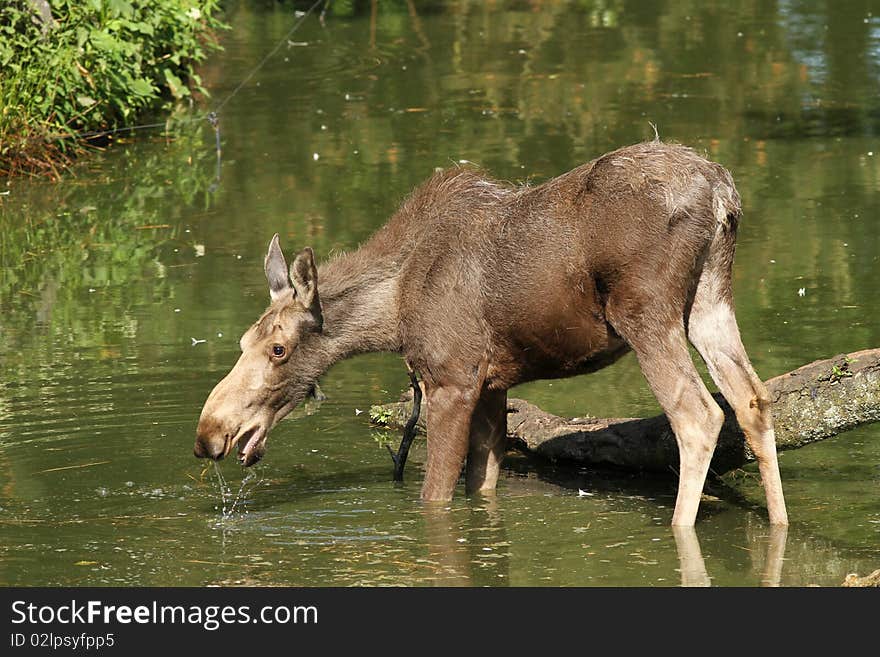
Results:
278 366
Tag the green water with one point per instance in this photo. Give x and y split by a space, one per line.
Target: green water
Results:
108 275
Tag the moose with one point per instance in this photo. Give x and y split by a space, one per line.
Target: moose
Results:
482 285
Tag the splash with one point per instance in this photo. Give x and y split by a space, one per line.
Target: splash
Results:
224 489
251 475
228 503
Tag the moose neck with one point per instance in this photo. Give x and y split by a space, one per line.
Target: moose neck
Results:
359 301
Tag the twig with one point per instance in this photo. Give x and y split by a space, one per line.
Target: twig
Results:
71 467
409 430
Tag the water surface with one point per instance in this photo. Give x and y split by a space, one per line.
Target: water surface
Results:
109 275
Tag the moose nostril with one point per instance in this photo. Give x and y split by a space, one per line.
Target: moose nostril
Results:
209 449
199 450
211 440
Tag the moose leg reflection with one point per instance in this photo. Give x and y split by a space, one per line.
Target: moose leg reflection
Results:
467 546
775 552
693 568
690 557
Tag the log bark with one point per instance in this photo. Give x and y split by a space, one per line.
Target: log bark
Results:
853 580
814 402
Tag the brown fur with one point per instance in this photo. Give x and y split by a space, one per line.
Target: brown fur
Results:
482 285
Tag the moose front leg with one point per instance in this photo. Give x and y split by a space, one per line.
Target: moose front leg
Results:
487 441
449 424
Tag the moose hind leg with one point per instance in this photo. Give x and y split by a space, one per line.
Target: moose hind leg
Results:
713 331
696 419
487 441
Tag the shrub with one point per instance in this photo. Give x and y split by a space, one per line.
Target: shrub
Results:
97 66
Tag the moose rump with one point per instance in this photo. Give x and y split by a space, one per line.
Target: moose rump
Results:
631 251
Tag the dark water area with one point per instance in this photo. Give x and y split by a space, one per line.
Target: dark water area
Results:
124 289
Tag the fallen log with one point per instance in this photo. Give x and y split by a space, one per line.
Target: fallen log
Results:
814 402
853 580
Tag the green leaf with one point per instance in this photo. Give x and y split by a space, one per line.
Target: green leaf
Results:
120 7
104 41
82 35
178 90
142 87
143 28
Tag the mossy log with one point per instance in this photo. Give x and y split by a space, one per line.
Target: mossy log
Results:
811 403
872 580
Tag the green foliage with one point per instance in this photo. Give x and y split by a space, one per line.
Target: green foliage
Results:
838 373
379 415
383 438
98 67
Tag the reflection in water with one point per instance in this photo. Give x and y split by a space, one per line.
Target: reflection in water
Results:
473 553
772 575
690 557
693 569
447 546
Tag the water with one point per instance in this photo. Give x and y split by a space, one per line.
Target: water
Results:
109 277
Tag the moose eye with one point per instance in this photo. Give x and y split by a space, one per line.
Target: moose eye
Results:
278 350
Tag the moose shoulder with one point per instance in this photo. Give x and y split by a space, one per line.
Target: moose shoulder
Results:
483 285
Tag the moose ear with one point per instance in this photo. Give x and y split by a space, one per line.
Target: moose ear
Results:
276 270
304 276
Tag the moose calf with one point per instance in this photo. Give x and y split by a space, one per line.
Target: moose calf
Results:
481 285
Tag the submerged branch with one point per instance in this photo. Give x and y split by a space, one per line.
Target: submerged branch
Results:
814 402
409 429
